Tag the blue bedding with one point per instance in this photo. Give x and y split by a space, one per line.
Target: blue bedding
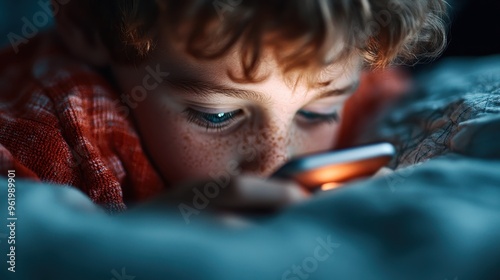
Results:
455 109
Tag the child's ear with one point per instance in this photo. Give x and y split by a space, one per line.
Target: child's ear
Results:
93 52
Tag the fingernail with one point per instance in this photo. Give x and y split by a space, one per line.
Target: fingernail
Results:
296 193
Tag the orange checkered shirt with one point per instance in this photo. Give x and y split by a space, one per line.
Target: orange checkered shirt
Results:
60 122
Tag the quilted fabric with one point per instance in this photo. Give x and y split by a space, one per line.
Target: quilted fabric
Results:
450 109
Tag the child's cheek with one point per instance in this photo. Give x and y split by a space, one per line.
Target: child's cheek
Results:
203 155
184 153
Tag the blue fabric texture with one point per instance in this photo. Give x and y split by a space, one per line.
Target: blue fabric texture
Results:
455 109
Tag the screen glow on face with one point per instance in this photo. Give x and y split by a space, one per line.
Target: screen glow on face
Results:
199 122
219 109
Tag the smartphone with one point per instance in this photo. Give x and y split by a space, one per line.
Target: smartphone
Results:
336 167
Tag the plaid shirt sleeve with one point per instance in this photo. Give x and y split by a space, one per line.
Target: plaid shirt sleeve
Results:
62 122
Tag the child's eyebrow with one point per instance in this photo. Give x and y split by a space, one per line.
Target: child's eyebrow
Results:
342 91
207 89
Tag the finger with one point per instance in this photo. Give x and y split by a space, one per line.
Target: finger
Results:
383 172
239 193
248 192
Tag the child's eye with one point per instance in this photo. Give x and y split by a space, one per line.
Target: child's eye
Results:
217 121
319 118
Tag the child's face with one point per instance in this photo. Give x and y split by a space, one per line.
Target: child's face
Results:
199 122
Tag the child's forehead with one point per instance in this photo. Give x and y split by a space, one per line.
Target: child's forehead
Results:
182 65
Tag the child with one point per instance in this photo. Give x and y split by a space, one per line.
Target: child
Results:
130 96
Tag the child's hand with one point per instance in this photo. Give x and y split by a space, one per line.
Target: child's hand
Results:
239 193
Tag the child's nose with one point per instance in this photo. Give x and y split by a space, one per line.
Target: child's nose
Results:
267 151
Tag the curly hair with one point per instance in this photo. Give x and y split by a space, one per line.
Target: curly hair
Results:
300 33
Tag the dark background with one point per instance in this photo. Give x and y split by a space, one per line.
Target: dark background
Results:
11 14
474 25
475 28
